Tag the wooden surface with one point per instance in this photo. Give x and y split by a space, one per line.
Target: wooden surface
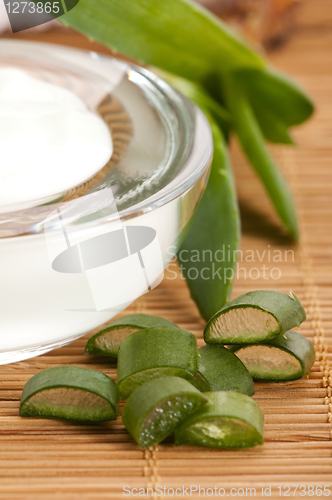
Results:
45 459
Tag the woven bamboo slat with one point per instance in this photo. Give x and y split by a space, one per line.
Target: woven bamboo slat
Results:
46 459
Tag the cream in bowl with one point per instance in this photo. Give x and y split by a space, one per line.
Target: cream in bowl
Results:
45 130
80 244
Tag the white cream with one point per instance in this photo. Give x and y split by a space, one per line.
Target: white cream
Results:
49 140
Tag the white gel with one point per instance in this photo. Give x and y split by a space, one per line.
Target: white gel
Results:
49 140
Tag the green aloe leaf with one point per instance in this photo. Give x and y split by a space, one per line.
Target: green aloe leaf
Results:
176 35
273 129
201 97
270 89
207 255
252 142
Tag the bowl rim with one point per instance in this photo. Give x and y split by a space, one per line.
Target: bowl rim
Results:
194 168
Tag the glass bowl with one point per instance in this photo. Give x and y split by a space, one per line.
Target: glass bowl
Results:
73 261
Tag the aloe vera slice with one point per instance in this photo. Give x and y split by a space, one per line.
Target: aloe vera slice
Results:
254 317
70 393
155 353
107 341
223 371
286 357
157 407
228 420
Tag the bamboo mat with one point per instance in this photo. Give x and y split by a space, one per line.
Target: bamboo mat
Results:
45 459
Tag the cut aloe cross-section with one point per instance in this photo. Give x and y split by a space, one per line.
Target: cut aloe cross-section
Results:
254 317
286 357
228 420
223 371
153 353
157 407
70 393
107 341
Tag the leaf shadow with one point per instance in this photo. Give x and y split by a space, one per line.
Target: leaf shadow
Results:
260 225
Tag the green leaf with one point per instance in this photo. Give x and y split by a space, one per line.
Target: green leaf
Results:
200 97
252 141
207 256
273 129
176 35
270 90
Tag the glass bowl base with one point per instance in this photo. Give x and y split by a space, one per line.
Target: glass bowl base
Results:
15 356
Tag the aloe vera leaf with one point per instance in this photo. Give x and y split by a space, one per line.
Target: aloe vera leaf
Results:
155 353
228 420
157 407
252 142
108 340
70 393
224 371
176 35
200 97
213 235
254 317
273 129
287 357
271 89
215 228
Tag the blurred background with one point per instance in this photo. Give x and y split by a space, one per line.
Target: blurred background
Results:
266 24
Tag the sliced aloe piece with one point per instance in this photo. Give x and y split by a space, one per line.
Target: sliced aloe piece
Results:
254 317
223 371
157 407
228 420
199 382
286 357
154 353
70 393
107 341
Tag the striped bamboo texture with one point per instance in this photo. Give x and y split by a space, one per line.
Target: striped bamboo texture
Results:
45 459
